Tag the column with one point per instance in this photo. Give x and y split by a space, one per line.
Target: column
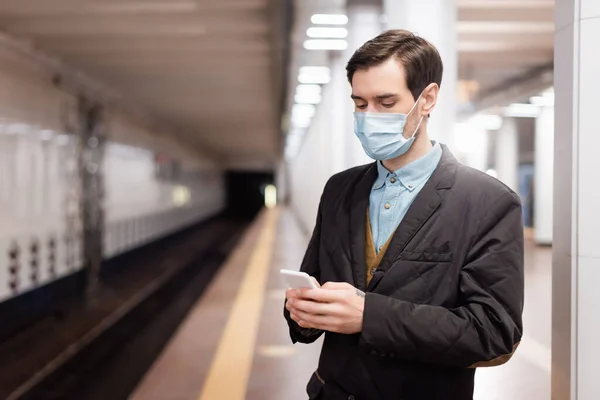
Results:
507 153
337 94
434 20
364 23
576 253
544 176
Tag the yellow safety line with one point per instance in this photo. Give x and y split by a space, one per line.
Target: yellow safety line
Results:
230 369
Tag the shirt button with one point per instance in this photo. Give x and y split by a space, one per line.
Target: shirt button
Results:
387 206
372 271
410 186
393 180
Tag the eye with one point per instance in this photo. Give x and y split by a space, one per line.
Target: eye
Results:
388 105
361 106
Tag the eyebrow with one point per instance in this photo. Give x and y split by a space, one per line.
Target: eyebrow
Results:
386 96
378 97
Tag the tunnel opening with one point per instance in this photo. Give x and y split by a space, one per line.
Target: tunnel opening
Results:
246 190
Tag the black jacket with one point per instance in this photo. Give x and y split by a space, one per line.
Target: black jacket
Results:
446 298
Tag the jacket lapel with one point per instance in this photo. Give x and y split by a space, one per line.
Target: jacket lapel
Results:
425 204
358 213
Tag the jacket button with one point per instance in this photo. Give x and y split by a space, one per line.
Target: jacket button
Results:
373 352
387 206
351 397
393 180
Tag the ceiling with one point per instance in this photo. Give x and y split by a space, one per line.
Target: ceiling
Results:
212 69
502 44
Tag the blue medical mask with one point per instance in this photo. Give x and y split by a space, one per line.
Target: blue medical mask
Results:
381 134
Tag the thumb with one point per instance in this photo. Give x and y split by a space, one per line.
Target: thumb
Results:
316 281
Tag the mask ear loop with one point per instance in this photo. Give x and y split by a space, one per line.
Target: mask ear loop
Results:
420 121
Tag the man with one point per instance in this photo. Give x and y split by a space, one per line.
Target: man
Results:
420 258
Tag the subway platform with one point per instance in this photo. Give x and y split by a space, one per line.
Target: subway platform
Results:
234 344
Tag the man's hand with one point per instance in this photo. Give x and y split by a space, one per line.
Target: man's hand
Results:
335 307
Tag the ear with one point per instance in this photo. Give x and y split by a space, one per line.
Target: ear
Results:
429 99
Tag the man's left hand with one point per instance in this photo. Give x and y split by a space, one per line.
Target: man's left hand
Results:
335 307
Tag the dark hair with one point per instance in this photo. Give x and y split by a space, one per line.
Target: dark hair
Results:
420 59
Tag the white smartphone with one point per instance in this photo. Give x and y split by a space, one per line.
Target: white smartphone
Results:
297 279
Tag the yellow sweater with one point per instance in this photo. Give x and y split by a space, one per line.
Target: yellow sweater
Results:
373 258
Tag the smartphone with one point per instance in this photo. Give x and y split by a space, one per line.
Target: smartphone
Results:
297 280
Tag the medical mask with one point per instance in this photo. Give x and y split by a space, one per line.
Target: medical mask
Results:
381 134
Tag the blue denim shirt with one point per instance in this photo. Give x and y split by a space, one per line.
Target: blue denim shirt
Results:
394 192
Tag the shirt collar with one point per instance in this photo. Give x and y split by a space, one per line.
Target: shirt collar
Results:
413 174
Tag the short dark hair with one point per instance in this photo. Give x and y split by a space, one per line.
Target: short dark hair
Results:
420 59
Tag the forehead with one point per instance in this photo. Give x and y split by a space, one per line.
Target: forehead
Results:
386 77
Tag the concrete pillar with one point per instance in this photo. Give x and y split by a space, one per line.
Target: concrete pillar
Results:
576 253
544 176
364 23
434 20
507 153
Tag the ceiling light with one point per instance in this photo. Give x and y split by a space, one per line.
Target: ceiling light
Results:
546 99
307 98
308 89
329 19
522 110
488 122
325 44
302 115
314 75
335 33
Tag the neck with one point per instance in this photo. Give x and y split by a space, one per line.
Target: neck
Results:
418 149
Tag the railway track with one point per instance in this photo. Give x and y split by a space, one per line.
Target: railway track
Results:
102 351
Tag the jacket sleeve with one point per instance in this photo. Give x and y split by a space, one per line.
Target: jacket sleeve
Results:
310 265
486 328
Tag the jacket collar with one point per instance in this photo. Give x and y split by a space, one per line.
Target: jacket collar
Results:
426 203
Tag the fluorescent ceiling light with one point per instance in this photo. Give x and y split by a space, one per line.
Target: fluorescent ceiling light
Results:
308 89
302 115
307 98
488 122
303 111
334 33
325 44
329 19
546 99
314 75
522 110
